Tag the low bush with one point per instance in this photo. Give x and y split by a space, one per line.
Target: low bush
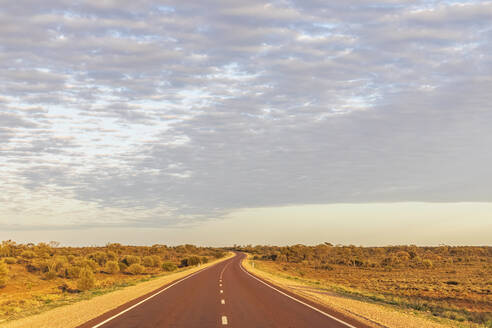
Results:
50 274
148 261
85 262
28 254
72 272
86 280
10 260
190 261
157 261
168 266
135 269
427 263
112 256
99 257
112 267
131 259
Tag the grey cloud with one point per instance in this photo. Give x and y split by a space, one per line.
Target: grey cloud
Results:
205 108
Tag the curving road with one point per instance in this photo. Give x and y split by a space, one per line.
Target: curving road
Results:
223 295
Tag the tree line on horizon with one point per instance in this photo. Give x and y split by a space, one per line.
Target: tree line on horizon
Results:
323 256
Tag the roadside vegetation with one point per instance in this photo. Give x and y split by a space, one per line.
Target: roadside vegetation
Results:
36 277
451 283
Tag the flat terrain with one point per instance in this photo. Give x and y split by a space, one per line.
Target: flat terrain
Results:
223 295
449 283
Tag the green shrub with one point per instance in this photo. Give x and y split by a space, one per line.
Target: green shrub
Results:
204 259
112 267
86 280
4 274
168 266
135 269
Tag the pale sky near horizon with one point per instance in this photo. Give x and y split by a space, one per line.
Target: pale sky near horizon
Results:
353 122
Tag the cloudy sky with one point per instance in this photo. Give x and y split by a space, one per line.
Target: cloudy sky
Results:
172 117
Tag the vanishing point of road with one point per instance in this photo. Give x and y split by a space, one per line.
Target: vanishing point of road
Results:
222 295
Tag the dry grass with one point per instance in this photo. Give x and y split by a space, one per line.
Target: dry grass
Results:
374 315
451 285
76 314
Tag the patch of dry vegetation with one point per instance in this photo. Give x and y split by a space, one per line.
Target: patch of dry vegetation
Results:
453 283
34 278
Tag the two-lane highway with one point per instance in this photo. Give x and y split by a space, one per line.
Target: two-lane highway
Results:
223 295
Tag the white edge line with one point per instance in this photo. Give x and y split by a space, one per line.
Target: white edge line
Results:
151 296
297 300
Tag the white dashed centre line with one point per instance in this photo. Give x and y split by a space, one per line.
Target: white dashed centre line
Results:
221 291
220 285
222 301
224 320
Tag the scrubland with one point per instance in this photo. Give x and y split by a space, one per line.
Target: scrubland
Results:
449 284
34 278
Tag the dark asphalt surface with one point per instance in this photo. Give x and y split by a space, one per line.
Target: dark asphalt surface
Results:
244 302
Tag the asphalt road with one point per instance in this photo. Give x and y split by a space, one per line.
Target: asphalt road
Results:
223 295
